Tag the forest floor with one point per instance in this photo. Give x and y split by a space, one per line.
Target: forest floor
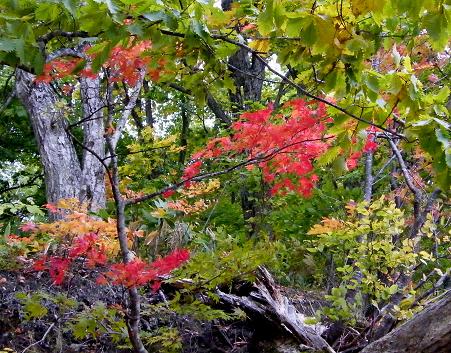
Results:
51 331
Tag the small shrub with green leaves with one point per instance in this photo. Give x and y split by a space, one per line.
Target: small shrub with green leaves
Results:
370 249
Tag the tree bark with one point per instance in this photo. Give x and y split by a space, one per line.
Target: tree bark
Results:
65 176
428 332
62 171
93 173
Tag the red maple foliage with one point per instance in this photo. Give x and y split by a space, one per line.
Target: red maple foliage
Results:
87 245
124 64
139 272
282 145
58 267
370 146
134 273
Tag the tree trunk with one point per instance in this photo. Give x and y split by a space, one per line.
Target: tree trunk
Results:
248 74
93 172
65 175
428 332
58 156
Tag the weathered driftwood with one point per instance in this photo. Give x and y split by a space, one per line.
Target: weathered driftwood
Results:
429 331
267 301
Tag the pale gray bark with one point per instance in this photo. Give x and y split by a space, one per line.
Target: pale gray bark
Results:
133 95
93 174
65 175
58 156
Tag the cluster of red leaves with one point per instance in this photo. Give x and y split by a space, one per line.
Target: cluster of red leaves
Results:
134 273
138 272
370 146
83 246
125 64
283 146
60 68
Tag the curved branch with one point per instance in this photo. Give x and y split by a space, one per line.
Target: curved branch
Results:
203 176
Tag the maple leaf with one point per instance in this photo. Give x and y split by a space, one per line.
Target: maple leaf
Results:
82 244
138 272
353 160
171 261
168 193
155 287
370 145
40 265
192 170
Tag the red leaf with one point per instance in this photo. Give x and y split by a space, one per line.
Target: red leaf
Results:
58 267
27 227
51 207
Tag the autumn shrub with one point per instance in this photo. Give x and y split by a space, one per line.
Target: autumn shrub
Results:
370 249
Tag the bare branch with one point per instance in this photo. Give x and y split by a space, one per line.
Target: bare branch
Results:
133 96
31 182
41 340
49 36
133 315
212 103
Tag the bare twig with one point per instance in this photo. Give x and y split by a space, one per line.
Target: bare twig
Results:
41 340
31 182
134 311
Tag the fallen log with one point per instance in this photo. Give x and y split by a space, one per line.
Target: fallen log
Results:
268 303
429 331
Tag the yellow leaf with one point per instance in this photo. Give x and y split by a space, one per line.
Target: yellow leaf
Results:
260 45
151 236
159 213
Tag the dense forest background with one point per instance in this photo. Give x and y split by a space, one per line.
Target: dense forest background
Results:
243 176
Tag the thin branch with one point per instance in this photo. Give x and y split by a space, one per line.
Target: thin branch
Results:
74 52
383 168
8 101
49 36
41 340
99 158
300 88
134 310
202 176
31 182
212 103
417 193
368 186
287 80
133 96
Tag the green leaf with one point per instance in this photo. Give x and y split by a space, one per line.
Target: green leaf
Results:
437 26
7 230
199 28
265 21
8 45
372 82
309 32
71 6
329 156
